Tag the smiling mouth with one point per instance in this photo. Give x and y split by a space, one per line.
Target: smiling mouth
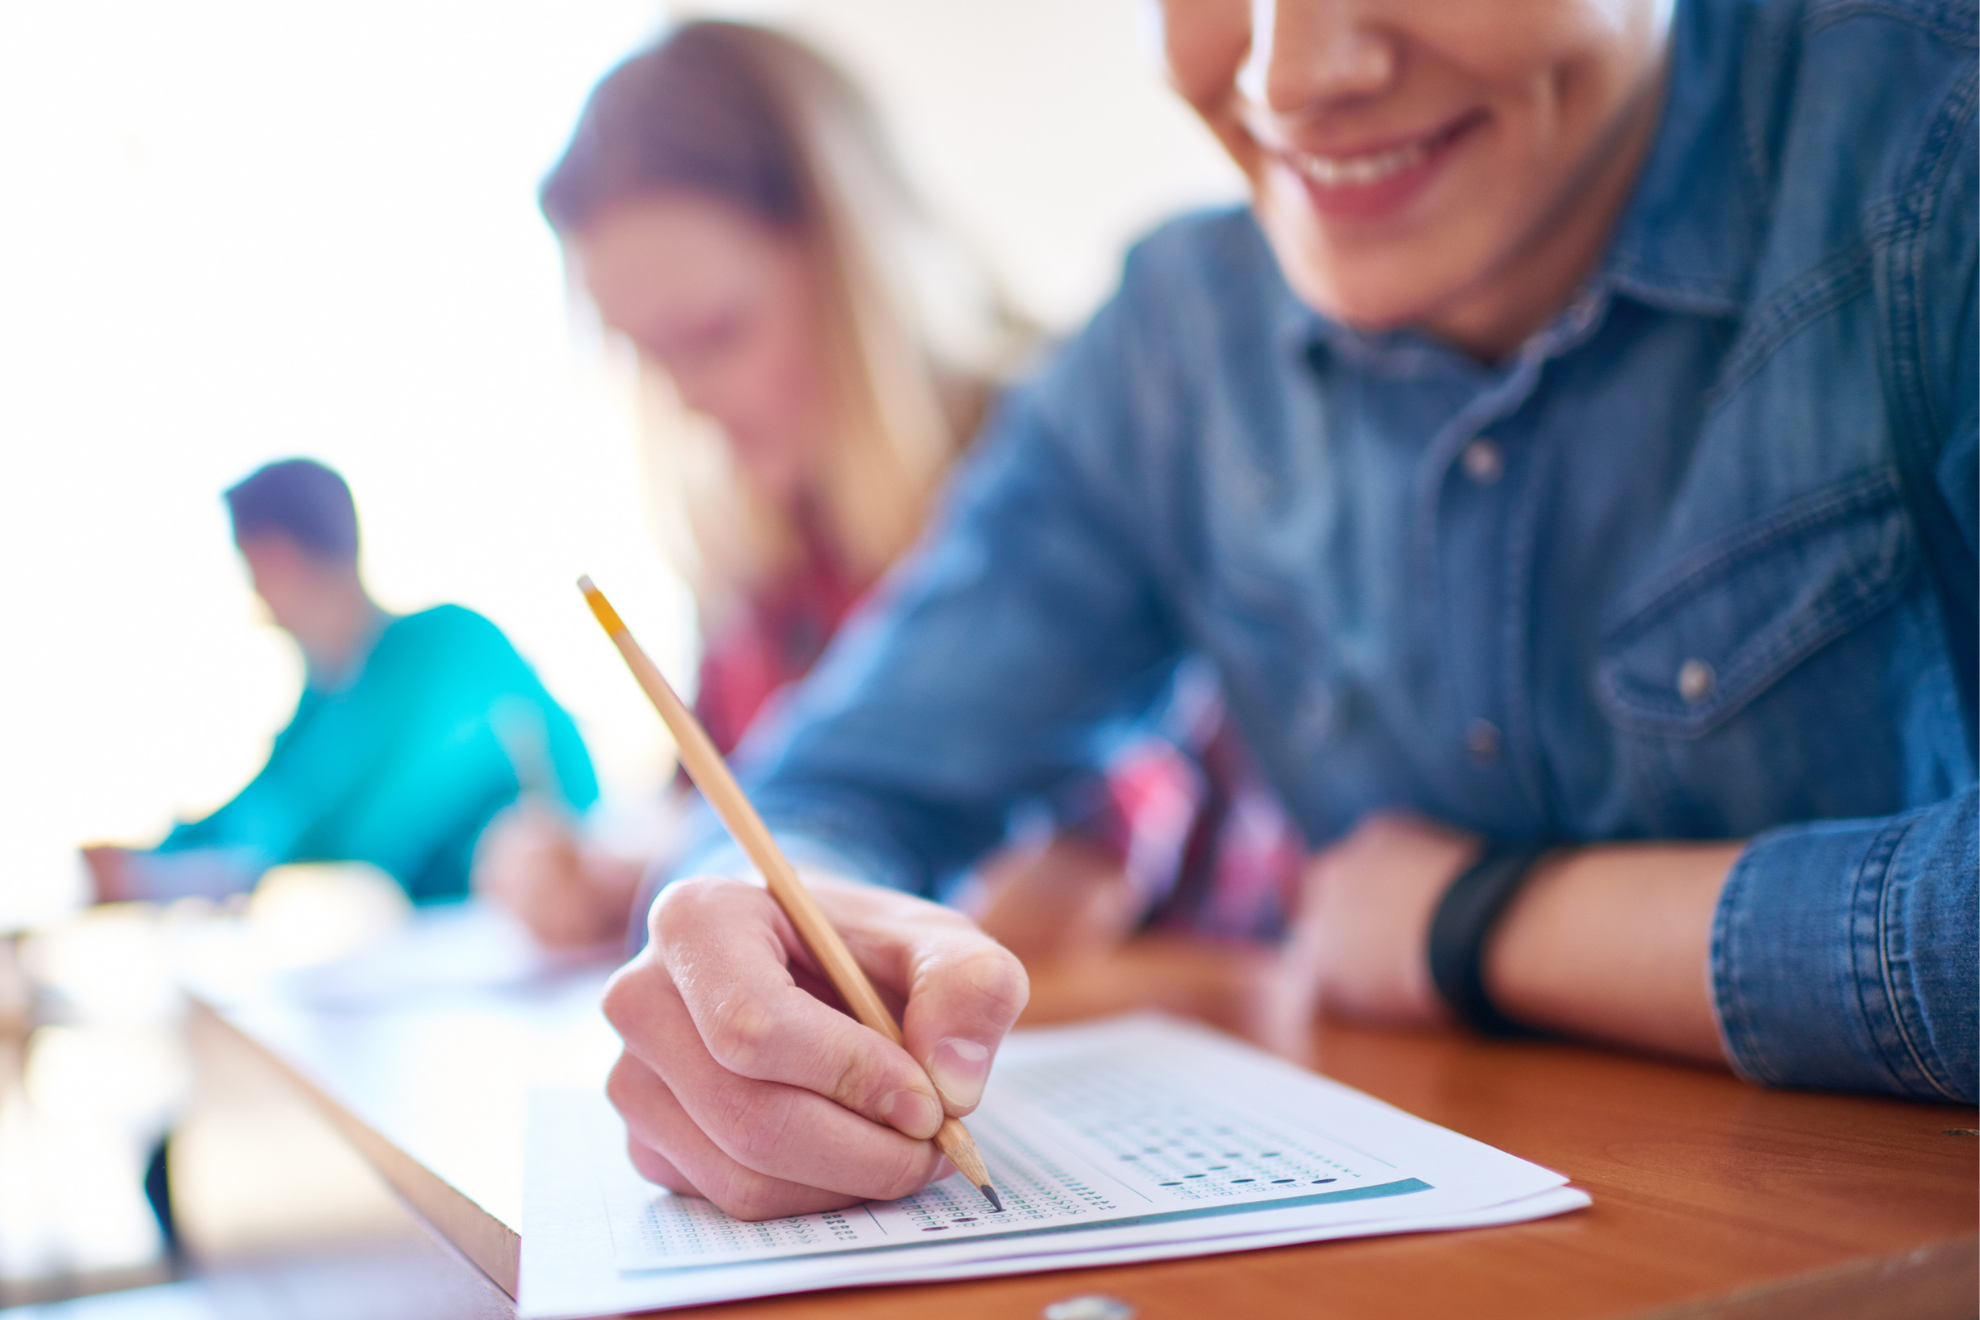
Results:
1375 166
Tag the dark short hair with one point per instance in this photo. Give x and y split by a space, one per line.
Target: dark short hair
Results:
301 499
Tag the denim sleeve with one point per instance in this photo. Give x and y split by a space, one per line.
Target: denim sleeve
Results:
1843 955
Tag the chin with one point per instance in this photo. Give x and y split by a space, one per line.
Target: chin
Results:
1387 286
1371 304
1374 280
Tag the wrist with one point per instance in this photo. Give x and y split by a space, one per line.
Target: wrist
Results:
1515 961
1613 942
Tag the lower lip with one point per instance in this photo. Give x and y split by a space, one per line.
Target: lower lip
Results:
1384 197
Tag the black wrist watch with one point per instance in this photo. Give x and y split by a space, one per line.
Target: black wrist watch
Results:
1465 918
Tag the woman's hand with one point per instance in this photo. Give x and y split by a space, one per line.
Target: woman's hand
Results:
744 1082
529 864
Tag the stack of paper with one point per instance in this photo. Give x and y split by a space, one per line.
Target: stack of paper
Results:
1133 1139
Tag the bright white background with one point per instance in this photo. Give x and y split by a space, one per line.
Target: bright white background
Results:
235 230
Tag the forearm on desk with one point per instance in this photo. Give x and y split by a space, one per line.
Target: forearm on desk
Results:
1614 942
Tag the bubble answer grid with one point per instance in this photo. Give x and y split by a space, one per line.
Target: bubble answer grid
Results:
1074 1138
583 1200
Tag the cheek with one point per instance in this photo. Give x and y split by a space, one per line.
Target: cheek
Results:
790 354
768 395
773 390
1203 43
793 366
1502 184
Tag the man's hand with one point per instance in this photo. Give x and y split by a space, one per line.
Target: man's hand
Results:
1360 942
1611 941
742 1081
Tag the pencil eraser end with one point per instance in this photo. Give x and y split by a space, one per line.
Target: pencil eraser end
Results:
608 618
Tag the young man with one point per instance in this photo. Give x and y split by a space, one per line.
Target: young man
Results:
1568 463
393 755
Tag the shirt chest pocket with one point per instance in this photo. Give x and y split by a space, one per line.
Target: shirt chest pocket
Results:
1730 620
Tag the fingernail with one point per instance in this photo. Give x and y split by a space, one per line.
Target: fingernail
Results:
958 1068
912 1112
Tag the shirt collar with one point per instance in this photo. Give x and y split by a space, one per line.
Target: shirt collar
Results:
1690 236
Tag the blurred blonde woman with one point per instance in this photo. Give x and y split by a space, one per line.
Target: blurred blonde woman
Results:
815 355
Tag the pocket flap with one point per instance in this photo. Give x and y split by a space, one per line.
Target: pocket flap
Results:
1728 620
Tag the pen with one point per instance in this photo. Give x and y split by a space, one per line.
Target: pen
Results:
711 775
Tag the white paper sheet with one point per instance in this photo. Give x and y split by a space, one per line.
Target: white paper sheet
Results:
1132 1139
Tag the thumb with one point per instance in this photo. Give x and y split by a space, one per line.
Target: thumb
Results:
964 992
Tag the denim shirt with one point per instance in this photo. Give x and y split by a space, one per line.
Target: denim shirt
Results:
1656 576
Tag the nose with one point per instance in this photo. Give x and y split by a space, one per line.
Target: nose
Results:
1308 54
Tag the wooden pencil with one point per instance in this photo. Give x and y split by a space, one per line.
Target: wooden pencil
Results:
711 775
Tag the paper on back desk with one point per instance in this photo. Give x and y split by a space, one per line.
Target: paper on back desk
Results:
1109 1112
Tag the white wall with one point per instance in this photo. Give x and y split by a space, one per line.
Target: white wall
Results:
1041 128
238 229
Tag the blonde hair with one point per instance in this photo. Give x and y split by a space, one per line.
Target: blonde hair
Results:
757 119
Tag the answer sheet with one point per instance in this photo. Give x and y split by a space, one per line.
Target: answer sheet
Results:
1128 1139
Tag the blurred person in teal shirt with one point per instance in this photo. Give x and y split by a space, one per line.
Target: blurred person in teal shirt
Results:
404 743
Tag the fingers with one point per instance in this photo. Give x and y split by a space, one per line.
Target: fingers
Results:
771 1128
645 1104
962 1001
1288 999
655 1168
963 989
667 1148
740 1084
725 946
1369 900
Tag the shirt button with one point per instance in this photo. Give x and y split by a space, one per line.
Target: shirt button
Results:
1484 462
1482 740
1696 681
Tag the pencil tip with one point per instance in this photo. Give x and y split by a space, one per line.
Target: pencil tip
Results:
990 1193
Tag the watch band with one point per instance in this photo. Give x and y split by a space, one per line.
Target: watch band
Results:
1465 918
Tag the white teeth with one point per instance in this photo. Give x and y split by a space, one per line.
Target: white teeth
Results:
1356 171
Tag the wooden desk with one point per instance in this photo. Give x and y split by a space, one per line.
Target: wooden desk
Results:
1712 1198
